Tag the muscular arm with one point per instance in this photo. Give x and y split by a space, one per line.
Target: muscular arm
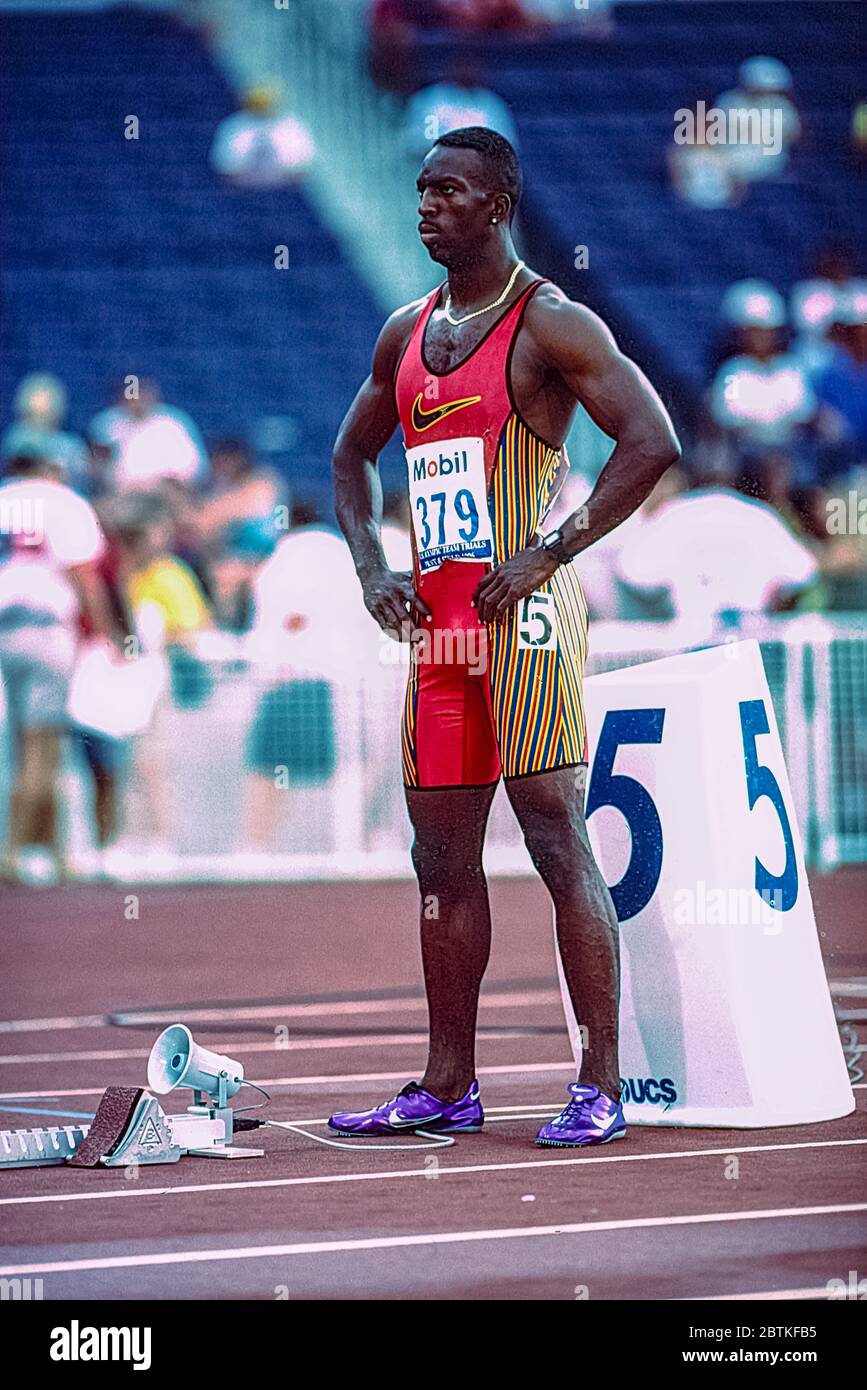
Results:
367 428
619 398
570 340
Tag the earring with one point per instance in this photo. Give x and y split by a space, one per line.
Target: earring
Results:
493 219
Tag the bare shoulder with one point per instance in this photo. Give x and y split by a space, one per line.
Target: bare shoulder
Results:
394 335
562 327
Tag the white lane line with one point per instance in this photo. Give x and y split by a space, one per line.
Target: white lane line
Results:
228 1014
445 1170
333 1009
40 1025
335 1079
326 1079
330 1247
339 1042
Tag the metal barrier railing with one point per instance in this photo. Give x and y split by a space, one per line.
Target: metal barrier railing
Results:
248 773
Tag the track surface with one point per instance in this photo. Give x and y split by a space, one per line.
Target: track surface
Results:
665 1214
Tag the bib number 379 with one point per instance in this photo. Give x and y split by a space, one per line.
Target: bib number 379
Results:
448 495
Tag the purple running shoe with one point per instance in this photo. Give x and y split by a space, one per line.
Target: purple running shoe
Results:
412 1109
589 1118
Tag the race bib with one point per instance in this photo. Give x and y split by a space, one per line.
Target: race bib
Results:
449 499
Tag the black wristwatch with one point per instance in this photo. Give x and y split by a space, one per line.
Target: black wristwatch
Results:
553 543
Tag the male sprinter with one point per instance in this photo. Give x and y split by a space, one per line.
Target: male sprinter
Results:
483 376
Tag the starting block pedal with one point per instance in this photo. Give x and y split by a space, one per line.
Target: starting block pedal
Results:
129 1127
39 1148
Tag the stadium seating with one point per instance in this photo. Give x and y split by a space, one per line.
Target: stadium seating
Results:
125 255
596 120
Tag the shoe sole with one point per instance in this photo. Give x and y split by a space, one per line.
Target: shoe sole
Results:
579 1143
404 1129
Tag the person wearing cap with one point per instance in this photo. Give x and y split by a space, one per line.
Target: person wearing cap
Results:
40 408
761 397
764 86
814 303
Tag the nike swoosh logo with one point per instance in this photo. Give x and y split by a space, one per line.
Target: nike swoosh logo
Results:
397 1122
426 419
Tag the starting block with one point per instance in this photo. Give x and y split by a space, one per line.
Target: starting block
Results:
726 1016
129 1128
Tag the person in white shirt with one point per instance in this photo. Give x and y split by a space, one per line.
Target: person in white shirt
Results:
258 147
761 398
715 552
50 546
311 635
598 566
148 443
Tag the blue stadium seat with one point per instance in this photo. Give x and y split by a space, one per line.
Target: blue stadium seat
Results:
131 256
596 121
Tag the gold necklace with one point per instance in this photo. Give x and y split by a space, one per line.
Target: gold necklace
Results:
488 307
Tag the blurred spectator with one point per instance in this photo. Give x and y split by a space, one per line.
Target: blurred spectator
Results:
464 100
145 443
50 544
40 408
239 511
485 16
394 24
765 87
761 399
168 611
391 40
234 527
814 302
308 590
103 755
704 174
607 599
259 147
162 593
842 390
310 632
714 553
